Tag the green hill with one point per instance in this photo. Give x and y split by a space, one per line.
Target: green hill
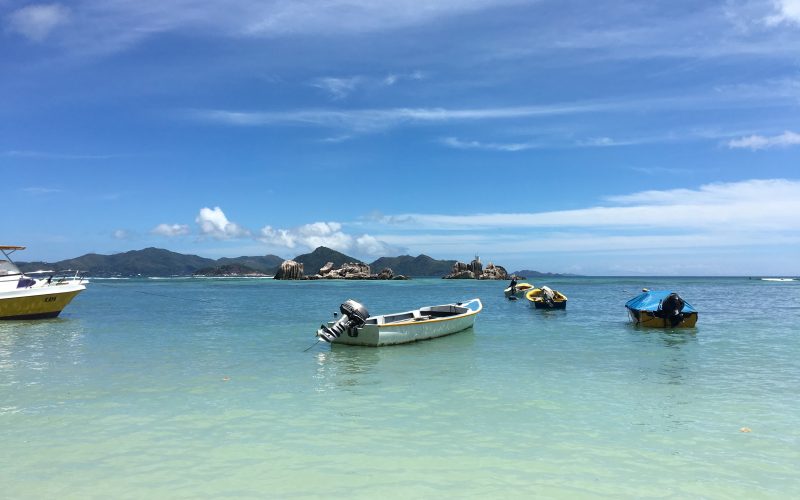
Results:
536 274
146 262
312 262
229 270
421 265
150 262
160 262
266 264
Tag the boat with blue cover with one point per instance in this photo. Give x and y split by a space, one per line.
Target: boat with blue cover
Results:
661 309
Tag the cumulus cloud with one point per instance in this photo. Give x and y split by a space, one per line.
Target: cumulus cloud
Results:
171 230
328 234
215 224
756 142
786 11
121 234
36 22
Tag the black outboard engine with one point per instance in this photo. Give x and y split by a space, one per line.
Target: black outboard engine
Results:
353 315
671 308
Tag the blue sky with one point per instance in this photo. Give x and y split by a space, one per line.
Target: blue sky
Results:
563 136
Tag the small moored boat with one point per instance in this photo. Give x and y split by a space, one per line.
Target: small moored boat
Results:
357 327
25 297
519 290
546 298
661 309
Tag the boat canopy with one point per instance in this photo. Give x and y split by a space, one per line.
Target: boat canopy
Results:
651 301
8 268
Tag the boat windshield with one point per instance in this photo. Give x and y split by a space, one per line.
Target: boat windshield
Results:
7 267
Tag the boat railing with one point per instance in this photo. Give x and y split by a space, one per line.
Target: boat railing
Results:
62 277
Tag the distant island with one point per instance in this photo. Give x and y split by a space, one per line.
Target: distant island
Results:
230 270
152 262
527 273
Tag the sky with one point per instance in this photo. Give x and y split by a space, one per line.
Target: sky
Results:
597 138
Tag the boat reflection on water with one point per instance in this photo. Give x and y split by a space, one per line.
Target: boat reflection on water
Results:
347 367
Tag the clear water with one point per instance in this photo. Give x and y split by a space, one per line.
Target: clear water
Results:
200 388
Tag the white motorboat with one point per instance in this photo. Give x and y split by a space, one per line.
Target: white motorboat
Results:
356 327
23 296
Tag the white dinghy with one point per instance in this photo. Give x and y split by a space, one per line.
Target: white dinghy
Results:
356 327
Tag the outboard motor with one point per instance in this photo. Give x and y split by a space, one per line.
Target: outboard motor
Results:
353 315
671 308
548 296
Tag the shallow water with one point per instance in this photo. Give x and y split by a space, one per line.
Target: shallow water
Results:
184 388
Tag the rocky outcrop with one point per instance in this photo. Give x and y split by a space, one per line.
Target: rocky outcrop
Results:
476 267
463 271
460 275
327 268
350 271
493 272
290 270
475 270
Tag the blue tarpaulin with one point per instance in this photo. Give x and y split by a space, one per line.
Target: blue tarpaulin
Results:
650 301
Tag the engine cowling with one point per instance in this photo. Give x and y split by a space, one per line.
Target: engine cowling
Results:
354 314
671 309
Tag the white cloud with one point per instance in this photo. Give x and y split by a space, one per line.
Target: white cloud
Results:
328 234
754 205
338 88
121 234
213 223
786 11
688 226
103 26
755 142
36 22
456 143
378 119
369 245
40 190
171 230
355 16
393 78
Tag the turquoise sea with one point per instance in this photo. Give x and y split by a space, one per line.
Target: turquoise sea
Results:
193 388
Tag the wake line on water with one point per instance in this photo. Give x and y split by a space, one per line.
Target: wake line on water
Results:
153 294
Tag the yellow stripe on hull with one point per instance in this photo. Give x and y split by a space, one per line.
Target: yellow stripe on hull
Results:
649 320
43 304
